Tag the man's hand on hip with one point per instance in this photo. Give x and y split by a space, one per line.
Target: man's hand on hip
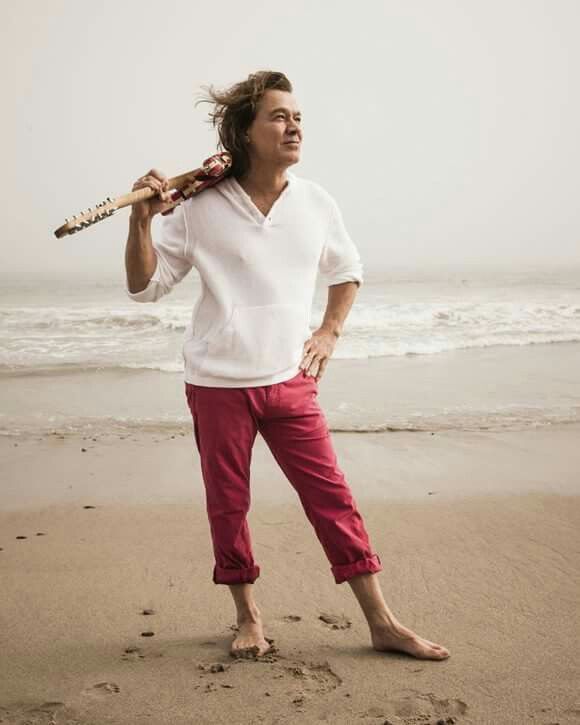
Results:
317 352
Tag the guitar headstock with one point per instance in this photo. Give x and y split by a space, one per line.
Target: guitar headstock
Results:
86 219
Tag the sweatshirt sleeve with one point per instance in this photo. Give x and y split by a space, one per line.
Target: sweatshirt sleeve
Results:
172 261
340 260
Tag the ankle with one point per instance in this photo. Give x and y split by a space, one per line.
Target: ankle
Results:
249 614
381 620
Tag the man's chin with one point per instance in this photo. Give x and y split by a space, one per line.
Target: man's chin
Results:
290 160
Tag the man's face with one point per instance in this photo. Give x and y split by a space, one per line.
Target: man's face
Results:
278 121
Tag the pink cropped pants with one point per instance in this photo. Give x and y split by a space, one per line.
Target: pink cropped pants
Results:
289 418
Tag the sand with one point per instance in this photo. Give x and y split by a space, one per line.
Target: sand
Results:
479 535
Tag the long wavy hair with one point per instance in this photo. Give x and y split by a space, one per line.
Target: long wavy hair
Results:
234 110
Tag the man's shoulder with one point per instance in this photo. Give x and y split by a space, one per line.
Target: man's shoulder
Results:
208 197
314 190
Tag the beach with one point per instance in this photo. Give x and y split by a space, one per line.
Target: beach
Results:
424 227
465 465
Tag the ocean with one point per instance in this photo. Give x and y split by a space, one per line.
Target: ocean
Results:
478 347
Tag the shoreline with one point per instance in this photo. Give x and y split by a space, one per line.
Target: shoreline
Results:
494 389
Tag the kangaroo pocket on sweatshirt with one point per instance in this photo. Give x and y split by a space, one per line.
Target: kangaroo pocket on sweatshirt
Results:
257 341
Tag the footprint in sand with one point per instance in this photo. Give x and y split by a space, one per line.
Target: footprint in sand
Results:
44 714
313 677
134 653
335 621
102 689
422 707
291 618
293 680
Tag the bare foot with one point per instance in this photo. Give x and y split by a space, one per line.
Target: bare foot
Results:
388 637
249 641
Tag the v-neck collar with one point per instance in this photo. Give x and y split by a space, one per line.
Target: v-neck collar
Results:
261 219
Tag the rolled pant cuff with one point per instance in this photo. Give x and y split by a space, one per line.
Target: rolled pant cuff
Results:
235 576
368 565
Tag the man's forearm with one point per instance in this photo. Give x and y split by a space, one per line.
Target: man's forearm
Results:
140 259
340 299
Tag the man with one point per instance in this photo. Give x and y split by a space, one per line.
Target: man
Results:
258 239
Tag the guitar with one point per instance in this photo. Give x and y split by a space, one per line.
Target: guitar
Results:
213 170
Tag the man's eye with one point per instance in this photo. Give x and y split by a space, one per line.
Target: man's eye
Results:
281 115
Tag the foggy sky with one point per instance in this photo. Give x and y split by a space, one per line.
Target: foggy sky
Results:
447 130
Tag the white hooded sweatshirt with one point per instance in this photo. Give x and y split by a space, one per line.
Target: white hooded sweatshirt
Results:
258 277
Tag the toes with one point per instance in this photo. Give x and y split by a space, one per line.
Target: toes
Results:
252 652
434 645
244 652
442 650
431 649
